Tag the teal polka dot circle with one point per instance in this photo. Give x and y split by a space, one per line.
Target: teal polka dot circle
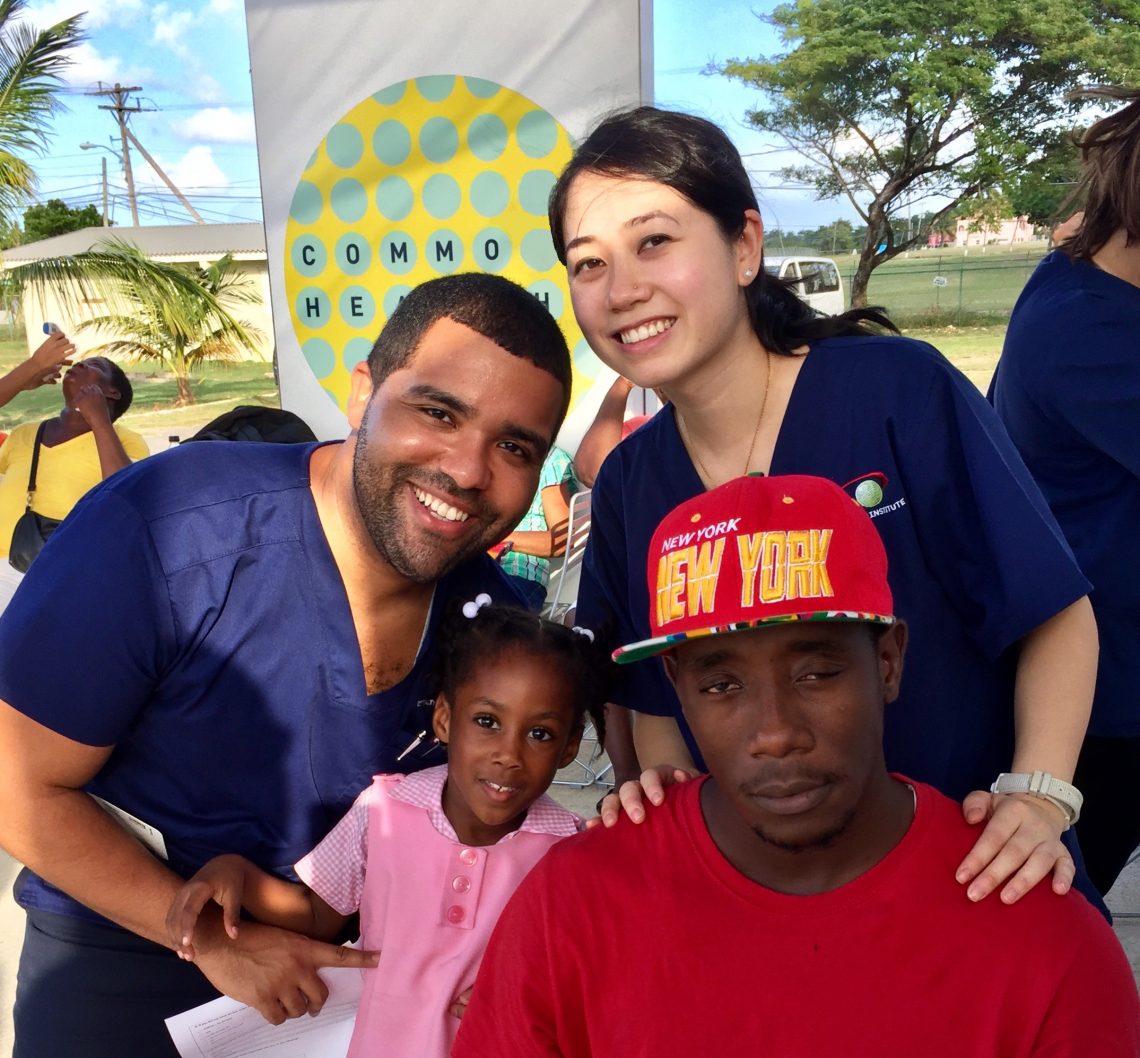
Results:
538 250
549 294
392 143
490 194
356 351
481 89
443 250
357 306
439 140
349 200
392 94
441 196
492 249
320 356
312 307
534 190
394 197
353 254
398 253
307 203
585 359
309 256
345 146
436 88
537 134
487 137
393 296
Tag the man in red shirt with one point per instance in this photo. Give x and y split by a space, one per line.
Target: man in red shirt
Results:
799 900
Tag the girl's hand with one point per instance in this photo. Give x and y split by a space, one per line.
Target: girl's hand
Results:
631 796
1020 845
50 358
222 880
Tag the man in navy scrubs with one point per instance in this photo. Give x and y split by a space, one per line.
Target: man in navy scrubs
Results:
224 644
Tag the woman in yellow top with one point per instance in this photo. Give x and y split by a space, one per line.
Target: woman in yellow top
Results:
81 445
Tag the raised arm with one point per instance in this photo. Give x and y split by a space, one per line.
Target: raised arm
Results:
91 403
604 432
42 368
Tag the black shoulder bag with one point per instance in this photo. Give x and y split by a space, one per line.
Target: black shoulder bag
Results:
31 530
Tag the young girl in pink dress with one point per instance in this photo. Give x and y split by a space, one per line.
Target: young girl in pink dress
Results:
430 859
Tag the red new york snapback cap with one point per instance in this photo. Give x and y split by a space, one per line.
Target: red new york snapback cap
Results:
762 550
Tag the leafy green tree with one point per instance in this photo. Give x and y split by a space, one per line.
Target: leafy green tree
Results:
894 103
32 62
178 315
56 217
1044 188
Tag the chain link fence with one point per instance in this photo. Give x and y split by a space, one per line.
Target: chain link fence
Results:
940 289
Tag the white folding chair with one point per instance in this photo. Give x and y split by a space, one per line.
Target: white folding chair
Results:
563 591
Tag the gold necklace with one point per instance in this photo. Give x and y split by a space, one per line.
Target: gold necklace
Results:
687 440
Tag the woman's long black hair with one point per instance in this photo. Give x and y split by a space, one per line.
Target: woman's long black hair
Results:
696 159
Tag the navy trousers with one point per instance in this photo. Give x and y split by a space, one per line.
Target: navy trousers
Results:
92 990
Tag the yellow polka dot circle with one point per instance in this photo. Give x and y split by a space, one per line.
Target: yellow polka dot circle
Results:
424 178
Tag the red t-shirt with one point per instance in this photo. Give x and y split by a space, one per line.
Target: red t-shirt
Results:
644 940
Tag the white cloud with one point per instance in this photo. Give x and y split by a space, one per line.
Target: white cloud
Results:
223 7
172 28
206 89
196 171
98 13
90 66
217 125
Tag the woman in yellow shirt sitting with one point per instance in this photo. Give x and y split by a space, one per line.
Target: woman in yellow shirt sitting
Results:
81 445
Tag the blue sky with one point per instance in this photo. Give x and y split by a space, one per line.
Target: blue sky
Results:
192 63
191 60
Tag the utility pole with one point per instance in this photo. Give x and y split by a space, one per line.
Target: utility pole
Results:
120 109
106 222
165 179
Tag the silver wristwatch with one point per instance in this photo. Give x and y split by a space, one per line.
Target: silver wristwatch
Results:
1041 784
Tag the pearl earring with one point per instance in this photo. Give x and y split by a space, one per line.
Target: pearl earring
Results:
748 273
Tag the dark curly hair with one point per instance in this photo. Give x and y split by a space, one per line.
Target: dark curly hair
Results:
493 306
466 642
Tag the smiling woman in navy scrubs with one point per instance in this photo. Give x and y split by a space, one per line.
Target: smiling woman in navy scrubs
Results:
661 235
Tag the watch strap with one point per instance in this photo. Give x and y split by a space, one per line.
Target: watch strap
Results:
1041 784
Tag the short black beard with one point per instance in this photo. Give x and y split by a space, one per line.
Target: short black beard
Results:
375 494
825 840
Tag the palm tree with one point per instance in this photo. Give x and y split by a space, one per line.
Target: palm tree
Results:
32 62
179 315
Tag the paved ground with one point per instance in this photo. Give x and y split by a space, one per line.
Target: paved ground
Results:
1124 898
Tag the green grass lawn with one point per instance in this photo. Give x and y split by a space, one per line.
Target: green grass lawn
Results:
973 350
973 287
218 388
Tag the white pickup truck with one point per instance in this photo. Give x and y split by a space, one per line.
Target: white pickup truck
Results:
815 279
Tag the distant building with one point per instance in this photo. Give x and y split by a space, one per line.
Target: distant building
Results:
972 232
194 243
